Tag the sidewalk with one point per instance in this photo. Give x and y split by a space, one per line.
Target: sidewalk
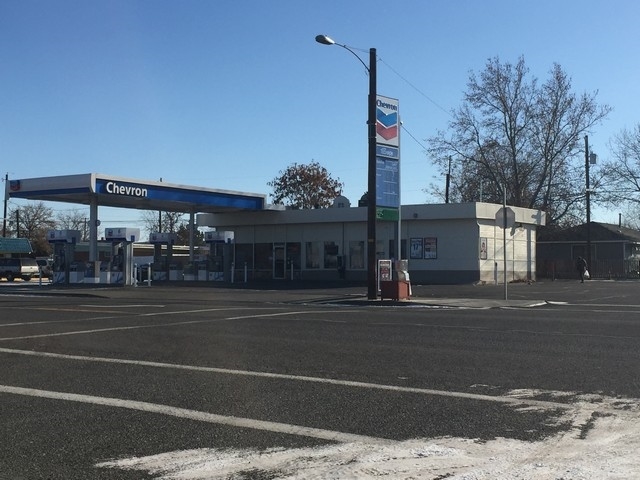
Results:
446 296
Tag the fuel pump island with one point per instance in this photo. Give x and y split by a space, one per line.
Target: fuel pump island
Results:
74 264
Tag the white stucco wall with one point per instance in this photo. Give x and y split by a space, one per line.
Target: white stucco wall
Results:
458 229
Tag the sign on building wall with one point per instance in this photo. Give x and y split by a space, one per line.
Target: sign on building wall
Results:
431 247
483 248
417 249
424 248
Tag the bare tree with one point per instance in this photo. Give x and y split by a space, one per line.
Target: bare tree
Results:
305 186
32 221
510 133
183 235
170 223
621 175
73 220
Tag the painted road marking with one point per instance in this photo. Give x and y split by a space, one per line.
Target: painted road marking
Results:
170 324
301 378
199 416
143 305
110 317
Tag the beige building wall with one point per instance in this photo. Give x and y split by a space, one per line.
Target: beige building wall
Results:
457 231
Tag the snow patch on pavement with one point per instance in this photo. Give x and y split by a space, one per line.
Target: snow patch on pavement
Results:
602 441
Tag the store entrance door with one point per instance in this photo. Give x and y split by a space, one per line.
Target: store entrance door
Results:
279 263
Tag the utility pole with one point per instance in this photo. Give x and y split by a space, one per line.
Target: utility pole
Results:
588 200
446 194
6 194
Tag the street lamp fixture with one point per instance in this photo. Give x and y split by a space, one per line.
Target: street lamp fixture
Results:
325 40
372 287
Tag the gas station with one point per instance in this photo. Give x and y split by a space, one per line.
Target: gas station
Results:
98 190
248 240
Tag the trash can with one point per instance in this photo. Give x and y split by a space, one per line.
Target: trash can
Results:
394 290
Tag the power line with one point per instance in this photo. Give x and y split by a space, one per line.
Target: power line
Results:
414 87
414 138
436 104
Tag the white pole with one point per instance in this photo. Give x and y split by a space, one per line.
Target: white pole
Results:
504 236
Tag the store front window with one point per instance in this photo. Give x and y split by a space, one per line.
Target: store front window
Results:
313 255
330 255
356 255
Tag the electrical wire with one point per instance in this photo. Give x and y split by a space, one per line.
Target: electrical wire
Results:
414 87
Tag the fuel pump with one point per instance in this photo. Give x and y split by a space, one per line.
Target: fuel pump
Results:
220 260
122 240
64 247
163 267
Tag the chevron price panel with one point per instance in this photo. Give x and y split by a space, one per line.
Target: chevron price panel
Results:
387 153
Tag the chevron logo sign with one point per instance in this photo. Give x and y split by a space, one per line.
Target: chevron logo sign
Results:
387 122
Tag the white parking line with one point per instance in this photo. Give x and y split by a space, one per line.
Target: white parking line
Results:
170 324
198 415
302 378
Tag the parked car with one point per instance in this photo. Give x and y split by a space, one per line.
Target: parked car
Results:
25 268
46 266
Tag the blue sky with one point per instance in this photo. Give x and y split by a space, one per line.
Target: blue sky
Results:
227 93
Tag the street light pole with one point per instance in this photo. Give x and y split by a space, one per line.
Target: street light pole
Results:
372 287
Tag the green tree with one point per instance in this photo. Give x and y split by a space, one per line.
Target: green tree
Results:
305 186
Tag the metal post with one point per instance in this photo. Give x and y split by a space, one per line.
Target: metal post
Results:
504 237
588 200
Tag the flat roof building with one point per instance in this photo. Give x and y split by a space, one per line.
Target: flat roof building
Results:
443 243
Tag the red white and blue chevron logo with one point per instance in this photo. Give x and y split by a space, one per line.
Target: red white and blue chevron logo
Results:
387 121
386 124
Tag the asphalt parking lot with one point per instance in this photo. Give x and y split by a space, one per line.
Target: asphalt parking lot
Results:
473 295
297 381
